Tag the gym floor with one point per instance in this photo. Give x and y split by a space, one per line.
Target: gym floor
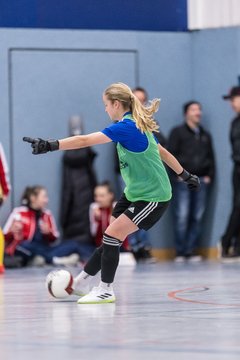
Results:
163 311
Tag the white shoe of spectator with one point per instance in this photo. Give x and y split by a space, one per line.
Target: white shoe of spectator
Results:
38 260
127 258
180 259
194 258
70 260
230 259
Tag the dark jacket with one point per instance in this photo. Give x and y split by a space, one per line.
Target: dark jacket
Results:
193 150
77 193
235 139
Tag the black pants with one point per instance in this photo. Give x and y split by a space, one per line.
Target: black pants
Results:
233 228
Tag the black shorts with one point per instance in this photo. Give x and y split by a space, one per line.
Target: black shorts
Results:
144 214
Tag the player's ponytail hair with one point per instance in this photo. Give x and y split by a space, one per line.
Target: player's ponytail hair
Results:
142 114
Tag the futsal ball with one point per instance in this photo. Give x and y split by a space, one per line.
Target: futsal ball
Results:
59 283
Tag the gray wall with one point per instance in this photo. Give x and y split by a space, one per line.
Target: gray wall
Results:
47 76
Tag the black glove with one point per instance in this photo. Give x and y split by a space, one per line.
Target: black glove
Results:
192 181
41 146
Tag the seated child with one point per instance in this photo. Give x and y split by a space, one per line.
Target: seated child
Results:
100 212
30 233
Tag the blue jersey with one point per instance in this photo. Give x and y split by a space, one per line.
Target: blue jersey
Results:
127 134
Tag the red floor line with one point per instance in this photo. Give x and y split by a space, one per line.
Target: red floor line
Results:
173 295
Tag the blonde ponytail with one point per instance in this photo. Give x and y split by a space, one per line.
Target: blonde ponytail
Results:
142 114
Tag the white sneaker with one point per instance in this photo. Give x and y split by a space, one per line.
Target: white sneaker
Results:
98 295
66 260
195 259
127 258
230 260
38 260
179 259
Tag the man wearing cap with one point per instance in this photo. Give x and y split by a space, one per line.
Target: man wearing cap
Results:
232 232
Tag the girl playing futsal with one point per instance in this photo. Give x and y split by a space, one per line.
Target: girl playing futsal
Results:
147 192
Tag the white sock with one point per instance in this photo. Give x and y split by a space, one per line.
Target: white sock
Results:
105 286
83 276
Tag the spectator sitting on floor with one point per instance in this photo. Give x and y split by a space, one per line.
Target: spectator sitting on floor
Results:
30 233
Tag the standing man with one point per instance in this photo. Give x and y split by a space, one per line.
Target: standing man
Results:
232 232
191 144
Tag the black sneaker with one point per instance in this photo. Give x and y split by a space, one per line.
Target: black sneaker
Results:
136 255
225 252
143 255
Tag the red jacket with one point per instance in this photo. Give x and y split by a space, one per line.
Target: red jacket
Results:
27 218
98 224
4 180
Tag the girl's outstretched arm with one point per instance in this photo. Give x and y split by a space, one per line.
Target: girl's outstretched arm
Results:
81 141
41 146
